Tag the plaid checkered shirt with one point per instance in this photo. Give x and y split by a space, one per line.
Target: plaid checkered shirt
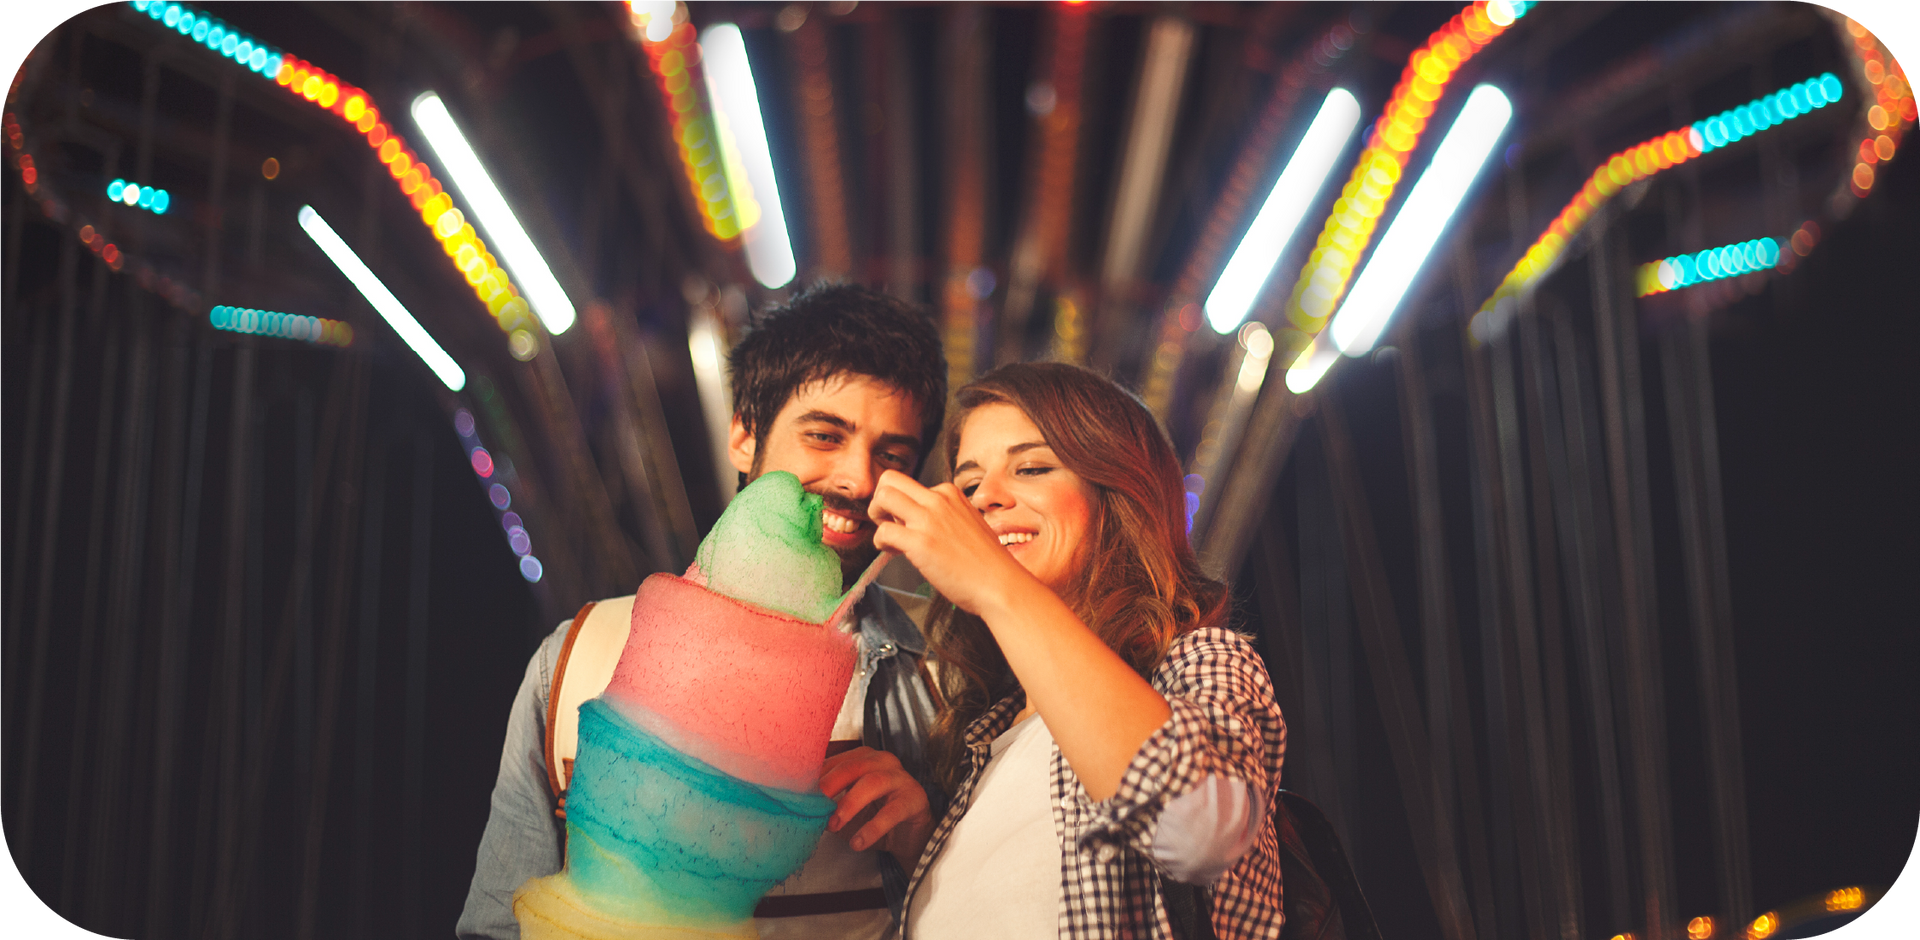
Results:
1224 722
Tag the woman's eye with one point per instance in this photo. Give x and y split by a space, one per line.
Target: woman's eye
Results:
968 489
1033 471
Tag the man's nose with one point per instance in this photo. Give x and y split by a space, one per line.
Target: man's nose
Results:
853 473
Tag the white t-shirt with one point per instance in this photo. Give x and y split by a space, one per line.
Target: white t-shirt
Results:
999 874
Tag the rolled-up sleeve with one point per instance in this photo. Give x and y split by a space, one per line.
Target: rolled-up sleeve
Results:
523 838
1224 744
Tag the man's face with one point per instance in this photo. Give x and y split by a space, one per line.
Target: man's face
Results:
837 435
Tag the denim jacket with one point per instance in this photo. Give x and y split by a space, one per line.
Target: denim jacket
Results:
525 836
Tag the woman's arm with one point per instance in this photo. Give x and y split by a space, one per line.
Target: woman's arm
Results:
1098 709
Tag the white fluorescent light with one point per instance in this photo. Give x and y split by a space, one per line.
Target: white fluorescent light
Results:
1310 365
403 323
1279 217
743 145
1420 221
496 218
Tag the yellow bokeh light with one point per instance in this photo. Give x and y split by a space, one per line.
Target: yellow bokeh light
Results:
1700 928
1763 926
1845 899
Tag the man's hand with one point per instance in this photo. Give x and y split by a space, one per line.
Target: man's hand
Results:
862 779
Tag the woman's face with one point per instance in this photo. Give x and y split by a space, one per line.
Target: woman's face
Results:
1042 511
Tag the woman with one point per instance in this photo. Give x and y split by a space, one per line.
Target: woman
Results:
1104 729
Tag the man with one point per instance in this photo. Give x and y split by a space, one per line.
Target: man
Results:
836 387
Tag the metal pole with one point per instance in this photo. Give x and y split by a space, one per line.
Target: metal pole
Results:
366 682
1585 545
413 776
1619 343
1433 833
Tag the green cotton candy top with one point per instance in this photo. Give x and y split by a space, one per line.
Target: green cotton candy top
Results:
766 550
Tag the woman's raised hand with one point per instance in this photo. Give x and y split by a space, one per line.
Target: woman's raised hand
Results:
944 537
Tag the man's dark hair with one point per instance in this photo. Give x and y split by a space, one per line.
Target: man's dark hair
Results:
828 329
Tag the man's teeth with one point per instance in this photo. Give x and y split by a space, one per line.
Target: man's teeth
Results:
839 523
1016 538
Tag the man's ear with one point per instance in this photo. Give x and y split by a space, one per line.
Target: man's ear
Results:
740 445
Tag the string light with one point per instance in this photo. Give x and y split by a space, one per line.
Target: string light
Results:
1349 228
282 325
1700 928
1763 926
673 55
1651 157
352 105
485 468
1845 899
150 198
1888 117
1658 277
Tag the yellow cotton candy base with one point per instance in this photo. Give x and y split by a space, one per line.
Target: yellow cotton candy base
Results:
552 909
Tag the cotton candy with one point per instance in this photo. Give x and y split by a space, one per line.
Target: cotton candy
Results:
695 787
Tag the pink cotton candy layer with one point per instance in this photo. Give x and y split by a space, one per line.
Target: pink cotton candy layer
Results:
751 692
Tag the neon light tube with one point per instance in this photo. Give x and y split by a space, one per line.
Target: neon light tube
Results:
1421 219
549 302
1312 363
1279 217
744 154
403 323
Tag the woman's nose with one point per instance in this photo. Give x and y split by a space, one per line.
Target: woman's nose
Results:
989 493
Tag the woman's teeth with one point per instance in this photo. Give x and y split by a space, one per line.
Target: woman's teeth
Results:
839 523
1016 538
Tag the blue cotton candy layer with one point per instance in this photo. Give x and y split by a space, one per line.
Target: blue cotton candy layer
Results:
651 831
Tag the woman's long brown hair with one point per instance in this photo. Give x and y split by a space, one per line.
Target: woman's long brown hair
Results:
1141 586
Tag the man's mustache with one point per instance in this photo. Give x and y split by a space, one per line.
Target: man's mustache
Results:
843 504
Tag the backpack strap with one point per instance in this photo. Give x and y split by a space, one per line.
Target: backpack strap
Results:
584 667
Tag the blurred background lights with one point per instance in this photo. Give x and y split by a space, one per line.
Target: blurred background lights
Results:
747 162
383 301
482 461
499 496
1657 277
214 34
415 179
281 325
1763 926
1644 160
150 198
476 186
1845 899
1761 113
1376 174
1421 219
1273 227
530 568
1700 928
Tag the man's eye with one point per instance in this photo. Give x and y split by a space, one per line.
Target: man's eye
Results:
823 437
898 460
968 489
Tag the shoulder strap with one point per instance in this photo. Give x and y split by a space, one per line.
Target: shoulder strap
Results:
585 665
555 785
